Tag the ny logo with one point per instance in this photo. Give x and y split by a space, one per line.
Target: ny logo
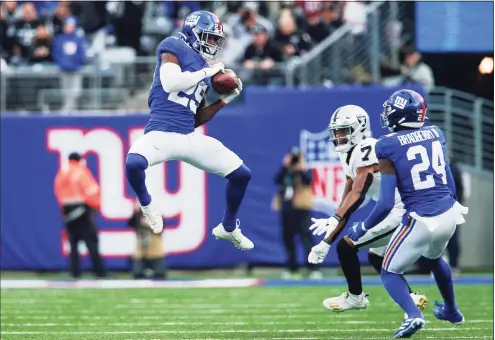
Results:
191 20
400 102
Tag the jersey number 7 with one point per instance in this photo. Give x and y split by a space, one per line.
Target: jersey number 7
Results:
438 165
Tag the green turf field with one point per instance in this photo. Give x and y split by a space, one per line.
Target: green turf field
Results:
235 313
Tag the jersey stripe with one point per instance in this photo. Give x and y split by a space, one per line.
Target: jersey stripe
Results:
394 243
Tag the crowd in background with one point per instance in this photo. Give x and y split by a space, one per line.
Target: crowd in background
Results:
262 38
271 32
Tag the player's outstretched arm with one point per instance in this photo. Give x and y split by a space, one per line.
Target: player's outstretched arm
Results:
360 187
173 79
386 200
336 232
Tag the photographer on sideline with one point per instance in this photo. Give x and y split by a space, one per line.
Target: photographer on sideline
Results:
294 201
148 254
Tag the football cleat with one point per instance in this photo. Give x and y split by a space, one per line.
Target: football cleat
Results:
420 301
236 237
346 301
455 318
153 217
409 327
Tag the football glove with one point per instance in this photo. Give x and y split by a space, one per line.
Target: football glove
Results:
227 98
356 231
324 225
214 69
318 253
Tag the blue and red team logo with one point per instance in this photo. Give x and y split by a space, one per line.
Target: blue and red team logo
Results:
328 174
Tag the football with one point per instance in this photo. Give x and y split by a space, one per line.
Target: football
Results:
224 83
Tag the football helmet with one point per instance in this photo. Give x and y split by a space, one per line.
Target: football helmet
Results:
348 126
203 31
404 108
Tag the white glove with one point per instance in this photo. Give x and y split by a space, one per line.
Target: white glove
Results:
318 253
324 225
214 69
227 98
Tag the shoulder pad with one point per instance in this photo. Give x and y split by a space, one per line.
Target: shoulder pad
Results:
173 45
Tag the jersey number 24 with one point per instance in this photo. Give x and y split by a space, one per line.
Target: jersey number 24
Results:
437 163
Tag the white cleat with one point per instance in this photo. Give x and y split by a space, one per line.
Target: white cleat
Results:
346 301
236 236
154 218
420 301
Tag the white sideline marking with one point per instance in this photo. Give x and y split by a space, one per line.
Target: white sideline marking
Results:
239 323
247 331
127 284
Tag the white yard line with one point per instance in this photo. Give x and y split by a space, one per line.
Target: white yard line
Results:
173 324
333 330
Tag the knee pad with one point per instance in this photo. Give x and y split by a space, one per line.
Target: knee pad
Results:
135 162
241 174
344 248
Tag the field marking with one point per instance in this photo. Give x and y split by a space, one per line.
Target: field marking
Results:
239 323
333 338
242 331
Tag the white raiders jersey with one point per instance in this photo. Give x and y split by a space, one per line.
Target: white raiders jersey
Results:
363 155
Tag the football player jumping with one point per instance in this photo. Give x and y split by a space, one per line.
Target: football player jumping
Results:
351 136
176 101
413 159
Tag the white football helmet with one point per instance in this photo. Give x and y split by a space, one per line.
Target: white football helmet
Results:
348 126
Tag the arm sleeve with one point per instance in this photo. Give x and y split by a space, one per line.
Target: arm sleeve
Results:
385 201
173 79
171 75
450 181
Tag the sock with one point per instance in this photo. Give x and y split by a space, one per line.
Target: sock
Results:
396 287
443 277
237 182
134 168
349 262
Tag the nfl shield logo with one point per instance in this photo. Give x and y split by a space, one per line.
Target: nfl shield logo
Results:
328 175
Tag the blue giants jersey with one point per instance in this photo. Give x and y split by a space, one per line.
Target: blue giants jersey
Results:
420 160
174 112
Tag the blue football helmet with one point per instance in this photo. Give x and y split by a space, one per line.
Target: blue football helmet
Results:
404 108
203 31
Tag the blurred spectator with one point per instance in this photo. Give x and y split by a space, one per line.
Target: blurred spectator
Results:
78 194
232 50
61 13
149 248
69 53
294 202
331 16
293 42
316 29
42 45
25 30
7 35
354 14
127 17
11 12
244 20
45 9
415 70
261 55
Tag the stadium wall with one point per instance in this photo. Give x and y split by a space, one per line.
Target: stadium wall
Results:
261 129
